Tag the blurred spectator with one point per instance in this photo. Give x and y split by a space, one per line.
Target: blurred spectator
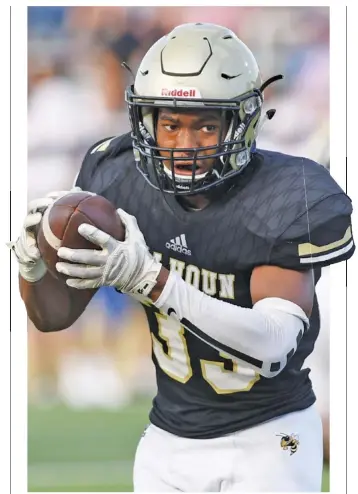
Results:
45 21
65 116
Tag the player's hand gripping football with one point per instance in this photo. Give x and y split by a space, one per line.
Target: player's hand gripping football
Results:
127 266
31 266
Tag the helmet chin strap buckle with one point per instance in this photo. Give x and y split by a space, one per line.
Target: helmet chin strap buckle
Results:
268 116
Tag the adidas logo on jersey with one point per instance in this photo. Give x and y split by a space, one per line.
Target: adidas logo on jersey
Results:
178 244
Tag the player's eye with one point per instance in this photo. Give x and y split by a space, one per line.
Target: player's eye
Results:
170 127
209 128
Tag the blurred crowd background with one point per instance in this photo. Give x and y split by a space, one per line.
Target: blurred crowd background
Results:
102 365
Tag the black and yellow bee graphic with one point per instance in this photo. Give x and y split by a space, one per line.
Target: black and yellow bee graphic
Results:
289 441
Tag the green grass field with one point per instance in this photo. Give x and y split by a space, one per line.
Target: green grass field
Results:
86 451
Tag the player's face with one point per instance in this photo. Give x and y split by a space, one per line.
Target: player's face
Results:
189 129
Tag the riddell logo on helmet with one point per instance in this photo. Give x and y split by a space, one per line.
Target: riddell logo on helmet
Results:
188 92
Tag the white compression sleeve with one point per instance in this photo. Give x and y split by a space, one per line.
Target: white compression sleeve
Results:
263 337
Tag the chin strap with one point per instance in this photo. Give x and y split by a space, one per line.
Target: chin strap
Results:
127 67
270 113
270 81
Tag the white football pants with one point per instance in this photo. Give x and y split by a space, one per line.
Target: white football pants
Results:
247 461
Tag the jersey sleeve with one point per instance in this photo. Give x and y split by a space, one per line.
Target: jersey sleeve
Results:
319 237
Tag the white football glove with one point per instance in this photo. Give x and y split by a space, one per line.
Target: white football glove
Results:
127 266
31 266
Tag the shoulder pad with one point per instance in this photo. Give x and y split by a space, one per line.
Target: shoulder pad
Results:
100 152
110 144
281 190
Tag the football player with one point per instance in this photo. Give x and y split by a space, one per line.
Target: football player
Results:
224 244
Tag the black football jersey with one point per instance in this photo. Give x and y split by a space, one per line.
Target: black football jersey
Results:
284 211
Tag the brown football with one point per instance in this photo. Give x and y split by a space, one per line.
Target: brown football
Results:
60 222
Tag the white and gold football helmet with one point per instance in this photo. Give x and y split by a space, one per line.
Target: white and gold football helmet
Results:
197 66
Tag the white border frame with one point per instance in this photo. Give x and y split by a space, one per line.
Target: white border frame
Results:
338 272
18 211
4 236
352 111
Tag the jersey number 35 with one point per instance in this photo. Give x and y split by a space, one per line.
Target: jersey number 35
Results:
171 351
